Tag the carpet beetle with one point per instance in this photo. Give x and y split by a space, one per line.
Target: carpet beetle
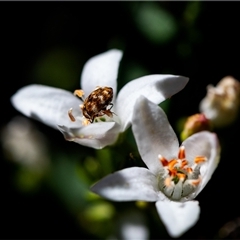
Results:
95 105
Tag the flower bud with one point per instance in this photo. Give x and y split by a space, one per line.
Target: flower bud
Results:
195 123
221 104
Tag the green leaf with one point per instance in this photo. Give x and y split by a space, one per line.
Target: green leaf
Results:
158 25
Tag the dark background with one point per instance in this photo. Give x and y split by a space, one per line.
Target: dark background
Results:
204 48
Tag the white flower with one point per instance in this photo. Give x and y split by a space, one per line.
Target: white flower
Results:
175 176
57 107
25 145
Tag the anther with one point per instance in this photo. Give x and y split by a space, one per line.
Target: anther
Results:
72 118
163 160
189 170
181 153
85 122
171 164
199 159
184 163
195 182
181 176
172 172
79 93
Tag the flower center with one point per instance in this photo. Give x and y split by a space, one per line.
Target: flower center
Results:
178 179
95 106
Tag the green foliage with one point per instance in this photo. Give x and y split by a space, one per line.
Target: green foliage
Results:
155 22
58 67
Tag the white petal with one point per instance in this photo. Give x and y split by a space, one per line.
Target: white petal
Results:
204 144
178 217
101 70
129 184
47 104
96 135
153 134
154 87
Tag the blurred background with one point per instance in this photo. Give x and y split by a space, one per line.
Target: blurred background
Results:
45 179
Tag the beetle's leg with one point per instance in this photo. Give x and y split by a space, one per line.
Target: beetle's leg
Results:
107 112
111 106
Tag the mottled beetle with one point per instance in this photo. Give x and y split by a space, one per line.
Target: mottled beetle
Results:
95 105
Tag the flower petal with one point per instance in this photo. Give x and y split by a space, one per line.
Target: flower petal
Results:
178 217
203 144
153 134
129 184
101 70
96 135
47 104
154 87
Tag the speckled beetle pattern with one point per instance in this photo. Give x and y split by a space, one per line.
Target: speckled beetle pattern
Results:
95 105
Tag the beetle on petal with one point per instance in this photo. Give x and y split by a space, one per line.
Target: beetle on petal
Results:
59 108
95 105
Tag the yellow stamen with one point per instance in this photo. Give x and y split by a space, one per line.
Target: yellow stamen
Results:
171 164
181 153
85 122
79 93
199 159
172 172
181 176
163 160
196 182
184 163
